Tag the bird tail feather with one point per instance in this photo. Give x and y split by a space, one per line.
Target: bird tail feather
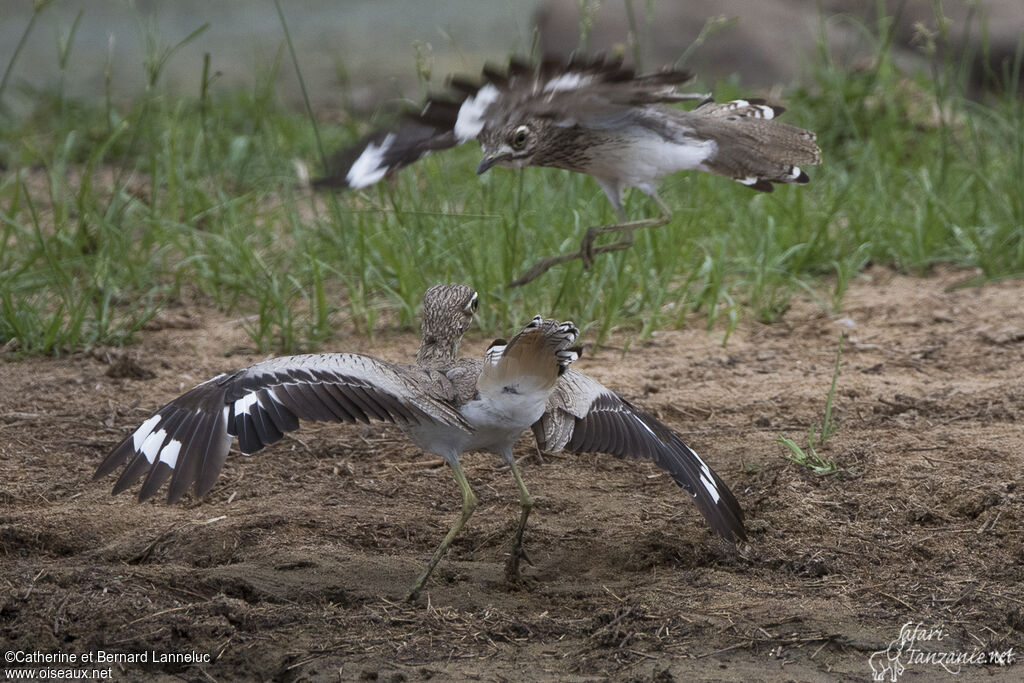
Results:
753 148
532 361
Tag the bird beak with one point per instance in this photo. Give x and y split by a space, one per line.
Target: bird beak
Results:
490 160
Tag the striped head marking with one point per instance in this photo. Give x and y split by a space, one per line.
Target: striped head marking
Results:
448 310
512 145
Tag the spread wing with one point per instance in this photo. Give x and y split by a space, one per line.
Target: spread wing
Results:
187 440
584 416
554 88
386 151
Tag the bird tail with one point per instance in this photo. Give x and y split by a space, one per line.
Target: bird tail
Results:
753 148
533 361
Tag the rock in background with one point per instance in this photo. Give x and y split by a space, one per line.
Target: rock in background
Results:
771 42
356 54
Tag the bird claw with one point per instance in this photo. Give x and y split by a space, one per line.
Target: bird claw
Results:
512 566
587 252
539 268
587 255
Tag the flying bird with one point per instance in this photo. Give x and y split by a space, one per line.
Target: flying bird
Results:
592 116
445 404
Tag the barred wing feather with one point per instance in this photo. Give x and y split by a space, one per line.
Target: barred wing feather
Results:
188 439
584 416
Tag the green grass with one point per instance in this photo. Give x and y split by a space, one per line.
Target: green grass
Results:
818 435
110 212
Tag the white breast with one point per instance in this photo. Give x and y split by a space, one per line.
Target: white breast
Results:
649 157
500 420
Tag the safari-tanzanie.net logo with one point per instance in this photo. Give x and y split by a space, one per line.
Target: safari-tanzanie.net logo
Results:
919 647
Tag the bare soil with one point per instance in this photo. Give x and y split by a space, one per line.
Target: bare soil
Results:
294 567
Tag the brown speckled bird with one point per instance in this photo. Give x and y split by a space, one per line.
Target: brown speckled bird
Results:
592 116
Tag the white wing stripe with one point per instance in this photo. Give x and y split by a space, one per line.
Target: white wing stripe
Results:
370 167
151 446
144 430
471 114
707 479
568 81
169 453
244 404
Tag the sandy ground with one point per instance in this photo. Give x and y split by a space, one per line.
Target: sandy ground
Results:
294 566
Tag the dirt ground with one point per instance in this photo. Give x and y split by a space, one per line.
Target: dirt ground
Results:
294 567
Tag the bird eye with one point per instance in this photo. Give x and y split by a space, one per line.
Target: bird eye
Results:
471 307
519 137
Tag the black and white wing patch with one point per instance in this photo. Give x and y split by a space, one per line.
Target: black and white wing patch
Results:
187 440
384 152
584 416
551 87
750 108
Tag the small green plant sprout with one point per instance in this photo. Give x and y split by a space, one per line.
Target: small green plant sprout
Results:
810 457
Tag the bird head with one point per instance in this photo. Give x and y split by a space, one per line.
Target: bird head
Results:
448 312
512 145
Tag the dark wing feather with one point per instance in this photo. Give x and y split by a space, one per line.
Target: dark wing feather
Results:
584 416
187 440
383 152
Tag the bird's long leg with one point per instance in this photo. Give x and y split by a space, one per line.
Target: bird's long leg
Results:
588 251
468 505
525 505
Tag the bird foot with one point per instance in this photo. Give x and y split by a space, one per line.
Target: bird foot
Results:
512 565
588 250
539 268
587 255
414 592
546 264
